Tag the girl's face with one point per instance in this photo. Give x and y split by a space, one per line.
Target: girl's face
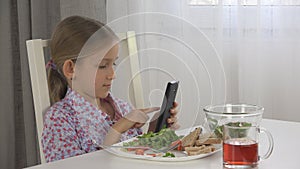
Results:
94 79
106 73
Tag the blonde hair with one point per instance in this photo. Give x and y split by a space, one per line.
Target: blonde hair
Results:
67 41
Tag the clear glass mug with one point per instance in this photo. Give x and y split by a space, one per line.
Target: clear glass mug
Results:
239 127
240 146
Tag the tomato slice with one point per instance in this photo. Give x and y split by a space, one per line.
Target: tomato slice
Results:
130 149
139 151
177 142
153 155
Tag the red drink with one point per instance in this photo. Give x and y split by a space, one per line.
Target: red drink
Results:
240 151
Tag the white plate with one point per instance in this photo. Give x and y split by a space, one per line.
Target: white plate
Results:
179 155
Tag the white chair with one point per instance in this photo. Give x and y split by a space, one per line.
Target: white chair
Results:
129 52
38 75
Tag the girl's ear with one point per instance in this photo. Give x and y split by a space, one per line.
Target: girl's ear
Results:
68 69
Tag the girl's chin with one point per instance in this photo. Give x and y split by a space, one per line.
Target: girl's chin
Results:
103 95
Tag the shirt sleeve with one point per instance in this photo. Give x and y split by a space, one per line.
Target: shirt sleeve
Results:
125 108
59 138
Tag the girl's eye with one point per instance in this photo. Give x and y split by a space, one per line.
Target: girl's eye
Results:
105 66
102 67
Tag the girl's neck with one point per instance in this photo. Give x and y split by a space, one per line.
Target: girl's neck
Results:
106 107
101 104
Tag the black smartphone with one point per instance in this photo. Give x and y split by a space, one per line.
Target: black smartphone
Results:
167 104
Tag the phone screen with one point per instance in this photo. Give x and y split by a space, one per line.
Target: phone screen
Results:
167 104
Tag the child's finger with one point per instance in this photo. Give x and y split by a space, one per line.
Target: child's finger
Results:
175 104
175 126
172 120
173 111
149 110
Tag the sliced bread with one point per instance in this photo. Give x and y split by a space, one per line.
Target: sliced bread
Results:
190 139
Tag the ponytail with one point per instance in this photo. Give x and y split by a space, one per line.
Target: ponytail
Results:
57 84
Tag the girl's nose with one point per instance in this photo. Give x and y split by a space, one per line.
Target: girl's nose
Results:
111 75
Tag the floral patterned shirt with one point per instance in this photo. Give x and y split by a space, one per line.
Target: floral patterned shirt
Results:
72 124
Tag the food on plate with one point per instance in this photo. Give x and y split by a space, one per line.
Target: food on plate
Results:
200 150
168 154
194 143
205 141
158 140
190 139
198 143
139 151
153 154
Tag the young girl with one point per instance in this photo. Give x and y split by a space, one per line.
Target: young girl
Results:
84 113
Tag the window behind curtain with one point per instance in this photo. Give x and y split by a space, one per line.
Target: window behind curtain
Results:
245 2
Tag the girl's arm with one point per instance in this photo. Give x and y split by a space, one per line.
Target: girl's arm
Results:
59 139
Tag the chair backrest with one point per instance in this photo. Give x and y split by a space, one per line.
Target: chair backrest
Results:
129 52
39 85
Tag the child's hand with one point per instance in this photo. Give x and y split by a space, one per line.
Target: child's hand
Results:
145 111
136 118
172 121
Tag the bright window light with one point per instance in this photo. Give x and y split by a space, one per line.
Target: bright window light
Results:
203 2
245 2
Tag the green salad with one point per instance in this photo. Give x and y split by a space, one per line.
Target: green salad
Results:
168 154
163 138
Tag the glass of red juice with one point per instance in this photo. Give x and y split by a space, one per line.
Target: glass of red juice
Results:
240 145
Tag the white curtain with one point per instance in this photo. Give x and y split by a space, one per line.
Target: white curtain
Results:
257 47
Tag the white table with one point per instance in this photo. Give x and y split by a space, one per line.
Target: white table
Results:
286 155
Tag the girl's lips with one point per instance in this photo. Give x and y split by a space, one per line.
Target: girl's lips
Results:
107 85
